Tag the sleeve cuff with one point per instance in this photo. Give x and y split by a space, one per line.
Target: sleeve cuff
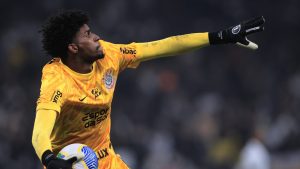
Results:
216 38
48 106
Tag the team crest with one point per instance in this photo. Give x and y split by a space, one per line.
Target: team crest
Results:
96 92
108 79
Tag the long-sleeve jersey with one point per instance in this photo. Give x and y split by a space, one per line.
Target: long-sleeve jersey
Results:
82 102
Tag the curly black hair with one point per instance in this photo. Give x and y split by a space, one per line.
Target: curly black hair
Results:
59 31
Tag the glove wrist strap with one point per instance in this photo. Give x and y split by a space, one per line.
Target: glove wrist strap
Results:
217 37
47 157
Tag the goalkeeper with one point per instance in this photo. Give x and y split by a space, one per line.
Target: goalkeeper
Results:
77 85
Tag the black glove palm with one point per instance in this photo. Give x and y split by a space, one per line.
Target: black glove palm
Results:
238 34
51 162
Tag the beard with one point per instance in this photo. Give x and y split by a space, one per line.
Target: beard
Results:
91 56
92 59
100 56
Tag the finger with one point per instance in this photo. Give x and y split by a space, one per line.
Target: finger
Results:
250 45
72 160
243 40
255 22
254 30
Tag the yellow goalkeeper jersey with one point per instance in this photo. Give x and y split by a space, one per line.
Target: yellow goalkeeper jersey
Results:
83 101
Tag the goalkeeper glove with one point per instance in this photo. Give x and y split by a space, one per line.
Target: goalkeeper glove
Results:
238 34
52 162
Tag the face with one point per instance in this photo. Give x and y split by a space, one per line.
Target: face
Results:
87 44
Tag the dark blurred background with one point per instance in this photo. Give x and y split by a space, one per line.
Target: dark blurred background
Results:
214 108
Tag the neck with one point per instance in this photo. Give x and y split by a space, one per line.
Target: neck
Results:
78 65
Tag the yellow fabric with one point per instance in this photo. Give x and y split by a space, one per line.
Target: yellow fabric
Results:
82 102
43 125
113 162
108 159
174 45
171 46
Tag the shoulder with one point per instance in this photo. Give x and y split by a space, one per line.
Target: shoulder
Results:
122 49
111 52
52 65
109 47
52 68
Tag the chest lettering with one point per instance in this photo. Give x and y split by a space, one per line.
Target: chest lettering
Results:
93 118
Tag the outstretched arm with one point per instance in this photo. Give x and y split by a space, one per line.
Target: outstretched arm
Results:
183 43
171 46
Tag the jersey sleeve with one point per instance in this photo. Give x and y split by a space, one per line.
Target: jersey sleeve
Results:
171 46
125 55
130 55
43 126
52 89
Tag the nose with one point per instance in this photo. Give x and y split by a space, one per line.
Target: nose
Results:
96 38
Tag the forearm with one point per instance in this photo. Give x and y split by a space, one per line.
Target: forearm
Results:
171 46
42 129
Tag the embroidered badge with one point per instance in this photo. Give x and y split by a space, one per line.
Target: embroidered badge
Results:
108 79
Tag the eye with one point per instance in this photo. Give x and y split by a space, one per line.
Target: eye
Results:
88 33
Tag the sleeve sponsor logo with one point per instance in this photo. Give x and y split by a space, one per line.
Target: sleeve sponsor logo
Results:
56 96
127 51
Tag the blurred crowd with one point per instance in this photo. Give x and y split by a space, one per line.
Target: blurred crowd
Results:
220 107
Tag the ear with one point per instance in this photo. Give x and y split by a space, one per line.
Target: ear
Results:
73 48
